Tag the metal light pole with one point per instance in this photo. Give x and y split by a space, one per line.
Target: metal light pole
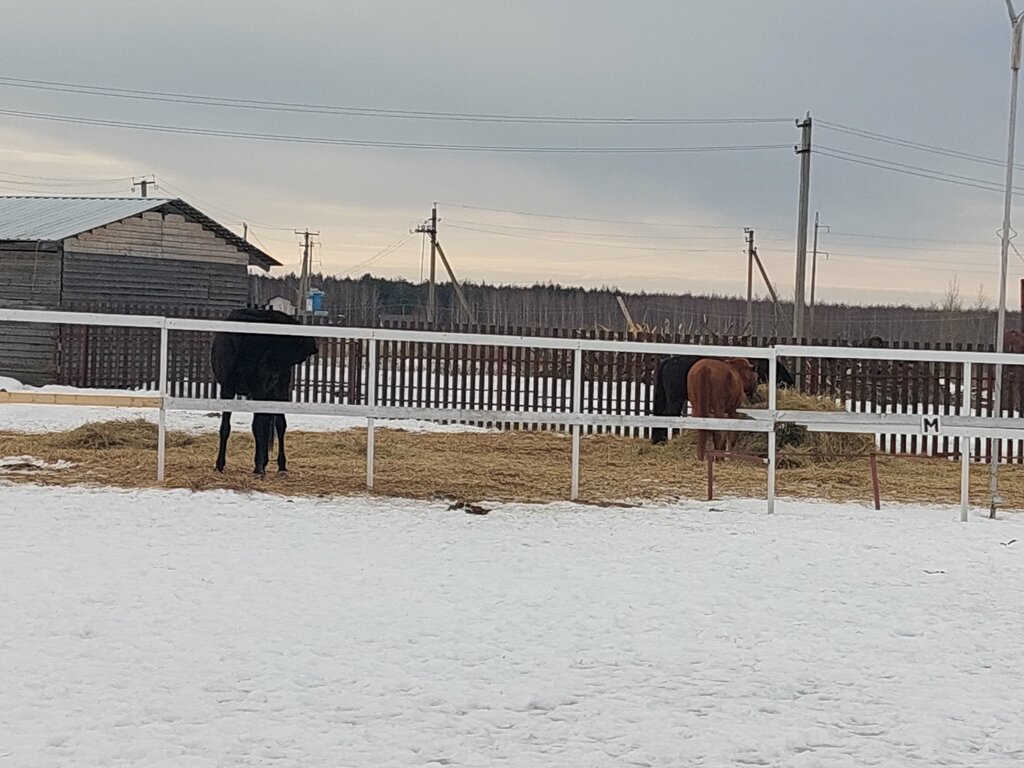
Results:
814 270
997 394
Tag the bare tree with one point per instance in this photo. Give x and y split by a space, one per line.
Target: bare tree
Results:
981 302
952 301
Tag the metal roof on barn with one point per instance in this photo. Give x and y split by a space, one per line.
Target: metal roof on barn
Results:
57 218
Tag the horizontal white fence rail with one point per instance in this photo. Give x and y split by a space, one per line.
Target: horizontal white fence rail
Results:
762 420
468 415
911 355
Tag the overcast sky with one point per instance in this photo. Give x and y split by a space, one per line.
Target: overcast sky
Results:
929 72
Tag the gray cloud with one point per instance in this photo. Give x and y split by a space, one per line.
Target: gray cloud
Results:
933 72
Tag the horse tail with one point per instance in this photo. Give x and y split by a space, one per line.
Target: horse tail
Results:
698 392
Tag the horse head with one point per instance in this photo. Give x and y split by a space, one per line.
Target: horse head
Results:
1013 341
748 376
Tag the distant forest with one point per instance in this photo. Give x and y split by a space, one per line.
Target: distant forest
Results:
371 301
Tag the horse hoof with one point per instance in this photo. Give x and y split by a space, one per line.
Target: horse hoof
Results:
282 473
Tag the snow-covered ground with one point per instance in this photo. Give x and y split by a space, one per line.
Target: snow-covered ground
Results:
48 418
166 628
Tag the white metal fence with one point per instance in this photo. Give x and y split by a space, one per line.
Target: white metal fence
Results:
765 420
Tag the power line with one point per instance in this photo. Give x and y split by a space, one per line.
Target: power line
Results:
260 242
894 164
907 143
589 234
208 204
617 246
76 186
961 265
836 233
69 179
899 168
331 141
288 106
563 217
387 250
900 247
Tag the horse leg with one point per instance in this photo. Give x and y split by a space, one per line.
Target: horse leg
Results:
281 424
261 431
731 412
670 398
225 431
659 434
721 440
226 393
699 410
675 405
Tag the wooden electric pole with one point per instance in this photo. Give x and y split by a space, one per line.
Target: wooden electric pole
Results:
303 290
750 280
144 185
430 228
804 150
771 291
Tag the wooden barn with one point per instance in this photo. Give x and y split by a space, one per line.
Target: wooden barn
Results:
74 253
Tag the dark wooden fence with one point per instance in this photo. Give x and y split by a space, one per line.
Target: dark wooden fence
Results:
412 373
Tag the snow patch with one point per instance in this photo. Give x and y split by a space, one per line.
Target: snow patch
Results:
27 465
164 627
38 419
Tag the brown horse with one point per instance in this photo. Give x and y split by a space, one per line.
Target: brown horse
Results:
1013 341
716 389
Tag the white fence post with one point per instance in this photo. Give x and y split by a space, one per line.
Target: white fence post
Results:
964 444
161 430
371 400
773 369
577 397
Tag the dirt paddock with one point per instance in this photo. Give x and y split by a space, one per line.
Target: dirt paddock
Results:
498 466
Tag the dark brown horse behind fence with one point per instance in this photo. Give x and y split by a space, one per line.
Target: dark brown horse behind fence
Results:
716 389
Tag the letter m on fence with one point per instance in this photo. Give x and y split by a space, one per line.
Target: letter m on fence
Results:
931 425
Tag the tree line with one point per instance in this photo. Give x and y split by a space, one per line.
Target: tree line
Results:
371 301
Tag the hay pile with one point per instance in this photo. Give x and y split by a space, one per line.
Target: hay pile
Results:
796 446
475 466
136 433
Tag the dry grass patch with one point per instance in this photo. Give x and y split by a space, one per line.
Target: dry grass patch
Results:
498 466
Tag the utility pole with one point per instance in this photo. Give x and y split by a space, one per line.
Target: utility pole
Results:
430 228
771 291
303 291
804 150
814 269
997 390
144 184
750 280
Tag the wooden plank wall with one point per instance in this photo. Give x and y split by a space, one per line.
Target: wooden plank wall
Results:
29 279
178 285
153 235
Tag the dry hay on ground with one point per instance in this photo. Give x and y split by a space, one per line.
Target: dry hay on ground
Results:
797 446
498 466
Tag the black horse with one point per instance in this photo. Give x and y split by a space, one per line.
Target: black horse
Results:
670 393
258 366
